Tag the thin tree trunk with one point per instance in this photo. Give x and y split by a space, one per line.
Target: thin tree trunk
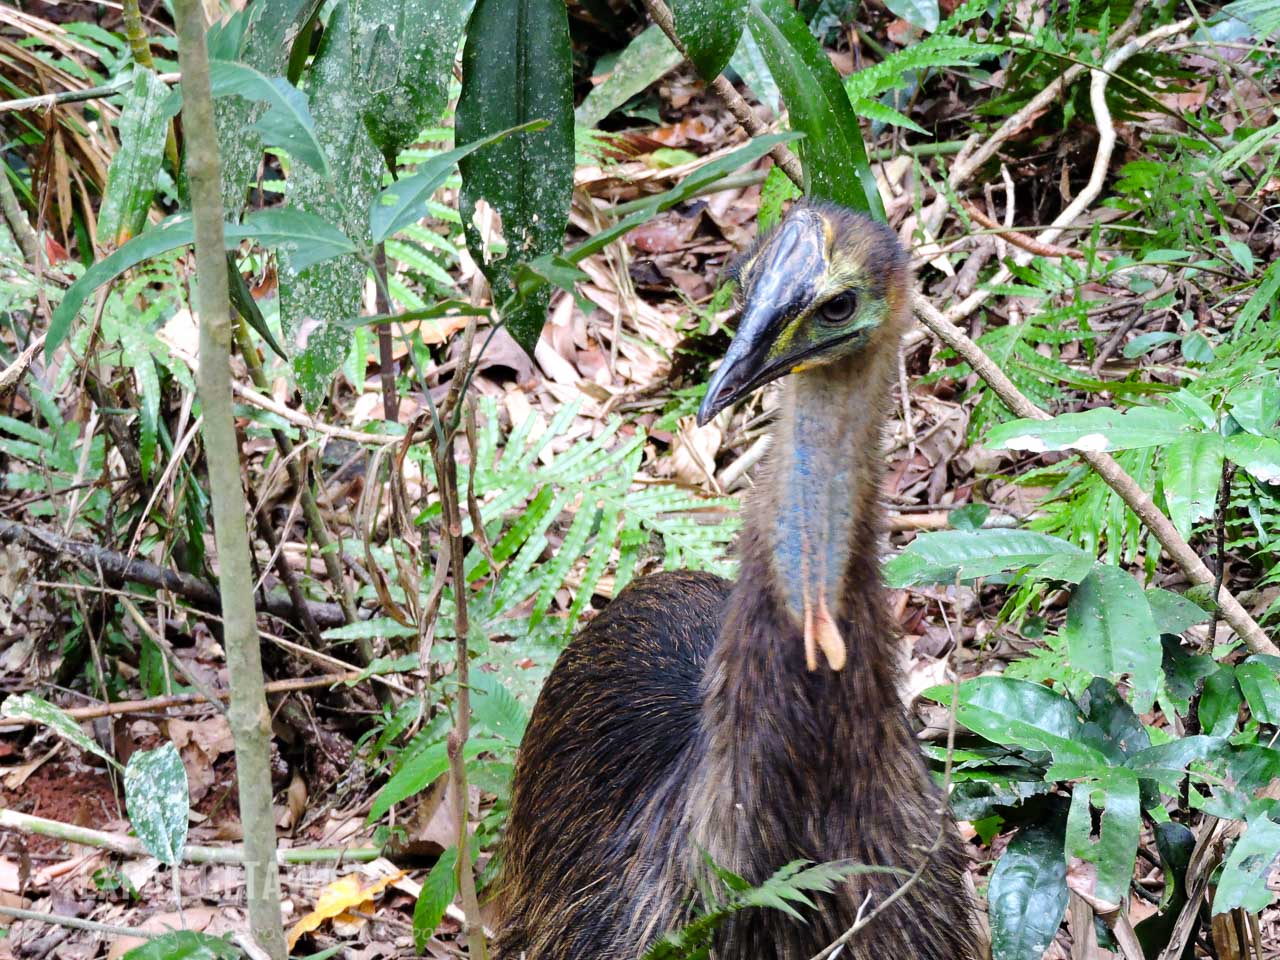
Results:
250 720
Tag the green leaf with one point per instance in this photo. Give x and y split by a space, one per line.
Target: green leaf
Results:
919 13
310 239
286 124
1256 406
1027 896
1260 456
645 60
1111 633
517 67
1116 848
1027 715
495 709
424 768
1192 473
1257 679
155 792
709 30
943 556
135 166
1174 613
1097 430
833 154
1167 763
185 945
1147 342
1220 702
438 891
1244 875
28 706
408 48
405 200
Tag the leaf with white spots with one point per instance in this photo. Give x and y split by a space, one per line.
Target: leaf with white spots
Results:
156 795
1099 430
27 706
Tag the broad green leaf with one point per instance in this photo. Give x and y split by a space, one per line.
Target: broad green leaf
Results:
424 768
1027 715
943 556
1174 613
1095 430
406 60
833 154
30 707
376 628
405 200
919 13
517 67
1147 342
1257 679
185 945
702 177
645 60
1192 473
1116 848
155 792
709 30
1256 406
287 122
438 891
1111 633
1260 456
1027 896
309 239
1167 763
135 166
1244 875
1220 702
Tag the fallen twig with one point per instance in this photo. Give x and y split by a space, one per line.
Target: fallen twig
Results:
115 567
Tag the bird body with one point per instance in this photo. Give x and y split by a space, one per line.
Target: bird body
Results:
756 723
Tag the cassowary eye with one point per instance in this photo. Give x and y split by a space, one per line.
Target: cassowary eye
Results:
839 308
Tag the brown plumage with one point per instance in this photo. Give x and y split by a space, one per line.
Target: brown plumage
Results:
694 715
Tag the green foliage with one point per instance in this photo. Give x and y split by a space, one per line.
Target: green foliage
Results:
835 159
155 790
724 893
135 168
186 945
516 68
709 31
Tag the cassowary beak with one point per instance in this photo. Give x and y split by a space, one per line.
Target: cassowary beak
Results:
783 280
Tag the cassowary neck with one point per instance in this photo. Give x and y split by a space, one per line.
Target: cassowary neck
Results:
788 746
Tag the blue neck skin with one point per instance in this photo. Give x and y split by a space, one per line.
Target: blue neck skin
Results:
829 425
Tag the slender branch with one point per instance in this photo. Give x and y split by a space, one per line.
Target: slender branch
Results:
737 105
157 704
47 101
126 846
250 718
298 476
1105 465
75 923
447 481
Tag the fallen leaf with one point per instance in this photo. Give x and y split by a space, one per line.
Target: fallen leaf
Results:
352 892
